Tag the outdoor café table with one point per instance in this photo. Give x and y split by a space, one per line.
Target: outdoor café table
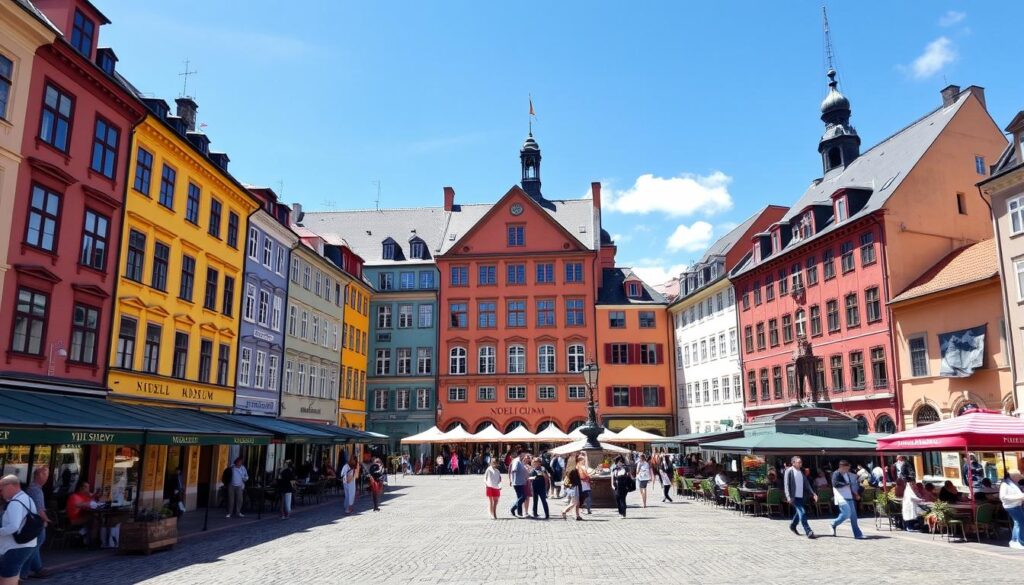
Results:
756 493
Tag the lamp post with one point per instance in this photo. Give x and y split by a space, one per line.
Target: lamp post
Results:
591 430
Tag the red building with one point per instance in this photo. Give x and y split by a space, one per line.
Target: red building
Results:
519 279
67 210
814 321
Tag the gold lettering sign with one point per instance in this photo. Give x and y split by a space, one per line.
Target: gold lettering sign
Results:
514 410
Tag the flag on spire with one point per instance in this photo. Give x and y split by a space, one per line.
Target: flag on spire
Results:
531 107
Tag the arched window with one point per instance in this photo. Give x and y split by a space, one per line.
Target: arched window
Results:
862 424
576 358
926 415
483 426
457 361
801 323
452 426
545 425
546 359
884 424
516 359
513 426
485 364
967 406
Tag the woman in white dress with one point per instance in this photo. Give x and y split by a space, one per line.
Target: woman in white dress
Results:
644 476
349 474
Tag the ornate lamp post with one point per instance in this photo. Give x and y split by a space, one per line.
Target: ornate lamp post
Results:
591 430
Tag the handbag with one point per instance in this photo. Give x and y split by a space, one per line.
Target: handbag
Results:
630 484
375 486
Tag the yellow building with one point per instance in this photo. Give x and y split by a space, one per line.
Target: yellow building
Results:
182 257
354 353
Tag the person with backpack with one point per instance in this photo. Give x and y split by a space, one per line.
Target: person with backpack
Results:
557 469
623 482
19 528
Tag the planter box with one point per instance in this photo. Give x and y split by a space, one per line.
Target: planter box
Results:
146 537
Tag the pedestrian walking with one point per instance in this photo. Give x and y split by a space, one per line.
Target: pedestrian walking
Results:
666 482
236 476
557 470
34 566
584 485
349 473
539 480
492 481
286 488
405 465
846 494
1011 496
376 482
798 488
644 475
622 482
572 491
517 477
16 548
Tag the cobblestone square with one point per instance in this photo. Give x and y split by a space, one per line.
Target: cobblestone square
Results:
436 530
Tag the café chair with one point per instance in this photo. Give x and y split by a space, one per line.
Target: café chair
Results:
773 501
824 501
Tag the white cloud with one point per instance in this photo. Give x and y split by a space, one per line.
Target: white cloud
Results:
690 238
952 17
684 195
621 238
655 274
937 55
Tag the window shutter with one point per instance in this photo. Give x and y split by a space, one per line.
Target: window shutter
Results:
661 395
608 395
634 353
608 355
635 396
659 353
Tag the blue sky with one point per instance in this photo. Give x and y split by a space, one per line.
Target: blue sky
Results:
693 115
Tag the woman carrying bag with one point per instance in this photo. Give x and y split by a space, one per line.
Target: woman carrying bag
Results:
376 482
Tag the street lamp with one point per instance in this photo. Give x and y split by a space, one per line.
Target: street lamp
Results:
591 430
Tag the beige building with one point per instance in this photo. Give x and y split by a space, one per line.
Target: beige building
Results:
23 29
1004 192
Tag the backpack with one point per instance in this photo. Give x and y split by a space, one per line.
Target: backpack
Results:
225 478
556 465
32 527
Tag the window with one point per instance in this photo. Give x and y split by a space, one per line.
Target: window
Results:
192 211
721 344
617 353
703 351
30 321
94 240
458 318
620 395
55 121
404 316
617 319
516 274
210 295
832 314
574 313
426 280
757 294
486 394
263 316
104 148
852 311
840 210
82 32
382 365
801 324
307 272
573 272
249 309
459 276
857 370
403 358
545 313
223 355
380 400
136 256
777 382
167 177
188 276
304 326
752 385
516 235
815 320
791 380
143 171
516 313
456 394
275 322
867 249
918 355
487 275
748 339
787 328
760 336
301 377
151 351
769 288
515 393
846 256
180 361
457 361
879 373
812 271
486 360
577 392
979 165
650 353
516 359
384 317
426 316
228 301
125 356
732 341
386 281
259 376
773 332
546 393
765 393
828 265
873 305
647 320
206 360
545 273
546 359
43 216
651 395
6 77
422 398
1015 207
576 358
745 300
961 204
726 391
233 229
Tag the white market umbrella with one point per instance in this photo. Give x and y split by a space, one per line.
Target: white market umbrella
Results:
488 435
456 435
605 435
520 434
632 434
552 434
578 446
431 435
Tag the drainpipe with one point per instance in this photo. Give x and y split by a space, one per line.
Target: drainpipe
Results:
1006 301
897 393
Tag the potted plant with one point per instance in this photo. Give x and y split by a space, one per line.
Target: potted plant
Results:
150 530
679 482
939 514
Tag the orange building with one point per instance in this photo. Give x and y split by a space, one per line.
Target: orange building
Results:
518 285
633 331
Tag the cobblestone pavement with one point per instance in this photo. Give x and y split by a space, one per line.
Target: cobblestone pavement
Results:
436 530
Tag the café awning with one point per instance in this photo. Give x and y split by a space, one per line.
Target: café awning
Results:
431 435
975 429
578 446
553 434
488 434
691 439
632 434
793 443
283 431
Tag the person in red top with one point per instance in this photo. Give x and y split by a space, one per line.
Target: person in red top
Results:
79 509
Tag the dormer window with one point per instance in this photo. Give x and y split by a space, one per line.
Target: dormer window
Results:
418 250
840 209
389 251
775 241
633 289
82 32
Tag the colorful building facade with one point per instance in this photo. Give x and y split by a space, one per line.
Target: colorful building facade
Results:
813 318
178 300
355 353
518 280
633 334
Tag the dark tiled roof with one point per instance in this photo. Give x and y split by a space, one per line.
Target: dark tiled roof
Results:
613 291
575 215
364 231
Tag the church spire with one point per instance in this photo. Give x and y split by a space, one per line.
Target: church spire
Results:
529 159
839 145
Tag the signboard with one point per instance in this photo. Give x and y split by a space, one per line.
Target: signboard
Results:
203 439
645 424
29 436
169 389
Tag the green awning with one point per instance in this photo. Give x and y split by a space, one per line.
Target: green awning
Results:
284 431
49 418
340 435
786 443
698 438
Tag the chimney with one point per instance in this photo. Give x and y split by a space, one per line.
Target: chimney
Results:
297 213
595 193
949 94
978 92
187 112
449 198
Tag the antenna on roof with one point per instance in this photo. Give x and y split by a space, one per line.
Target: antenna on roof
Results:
185 74
280 188
377 202
831 60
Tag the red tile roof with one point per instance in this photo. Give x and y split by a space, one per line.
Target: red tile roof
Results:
967 265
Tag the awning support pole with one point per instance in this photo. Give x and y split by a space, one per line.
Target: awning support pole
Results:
970 485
